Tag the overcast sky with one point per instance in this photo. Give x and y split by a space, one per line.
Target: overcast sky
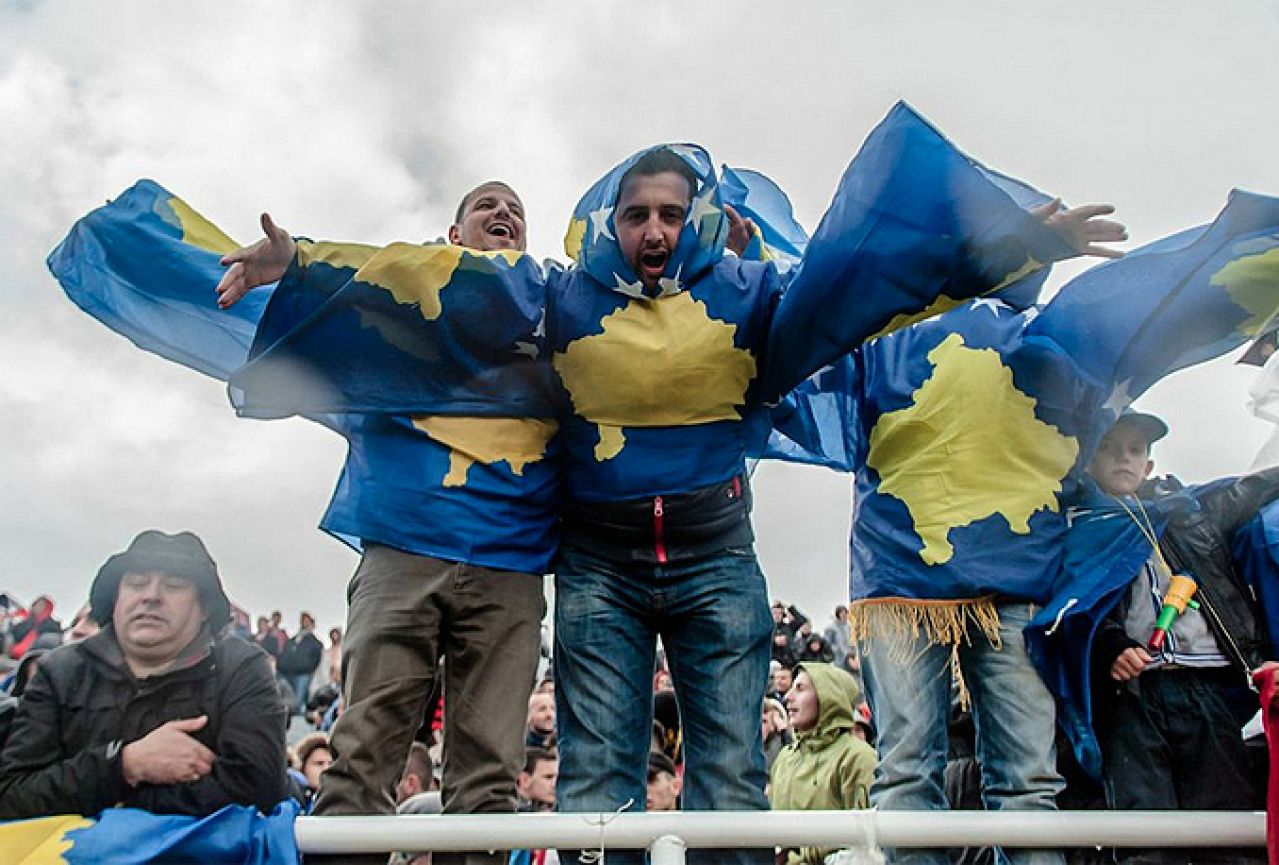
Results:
367 122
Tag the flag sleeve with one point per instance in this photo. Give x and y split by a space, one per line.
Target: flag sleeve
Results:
915 227
1171 304
146 265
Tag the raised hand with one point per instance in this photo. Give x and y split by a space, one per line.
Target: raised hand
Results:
1082 228
260 263
740 231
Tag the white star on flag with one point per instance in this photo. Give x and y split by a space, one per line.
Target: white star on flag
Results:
634 289
599 223
1119 398
671 285
702 206
993 304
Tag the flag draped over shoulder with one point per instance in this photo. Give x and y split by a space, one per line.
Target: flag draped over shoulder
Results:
121 836
146 265
915 226
1104 550
435 329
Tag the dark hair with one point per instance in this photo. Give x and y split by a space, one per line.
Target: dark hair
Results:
535 755
659 162
466 199
420 765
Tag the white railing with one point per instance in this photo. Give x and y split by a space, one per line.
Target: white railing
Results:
667 834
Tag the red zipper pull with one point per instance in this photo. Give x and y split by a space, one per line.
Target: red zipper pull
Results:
659 530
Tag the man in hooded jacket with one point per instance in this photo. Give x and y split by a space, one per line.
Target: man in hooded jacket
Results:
827 767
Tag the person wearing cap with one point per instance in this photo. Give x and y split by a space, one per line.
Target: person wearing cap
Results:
1165 721
156 711
827 767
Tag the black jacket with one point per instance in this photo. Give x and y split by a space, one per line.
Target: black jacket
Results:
677 527
1197 542
301 655
84 705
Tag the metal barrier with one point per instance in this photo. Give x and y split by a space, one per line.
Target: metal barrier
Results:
668 834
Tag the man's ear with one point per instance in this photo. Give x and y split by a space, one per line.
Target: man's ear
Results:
454 235
679 784
1150 466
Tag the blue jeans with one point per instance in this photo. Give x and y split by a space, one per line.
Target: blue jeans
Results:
301 685
908 686
713 618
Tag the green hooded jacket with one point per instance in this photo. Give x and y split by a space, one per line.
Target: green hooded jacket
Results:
827 767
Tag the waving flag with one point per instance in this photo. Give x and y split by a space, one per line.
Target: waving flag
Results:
437 329
1219 283
125 836
146 265
915 228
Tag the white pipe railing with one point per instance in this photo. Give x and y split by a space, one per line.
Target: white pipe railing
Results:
669 833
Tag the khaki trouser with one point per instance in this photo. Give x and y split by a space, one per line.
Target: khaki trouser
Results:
405 611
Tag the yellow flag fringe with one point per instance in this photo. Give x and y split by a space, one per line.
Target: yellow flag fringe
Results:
900 623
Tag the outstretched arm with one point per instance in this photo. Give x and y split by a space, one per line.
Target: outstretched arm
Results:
258 264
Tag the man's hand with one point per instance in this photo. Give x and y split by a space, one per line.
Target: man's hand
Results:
1129 664
261 263
168 755
740 231
1082 227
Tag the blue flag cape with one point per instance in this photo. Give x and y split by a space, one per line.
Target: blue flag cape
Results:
1000 405
146 265
1104 551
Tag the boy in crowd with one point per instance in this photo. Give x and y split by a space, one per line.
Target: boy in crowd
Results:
1168 730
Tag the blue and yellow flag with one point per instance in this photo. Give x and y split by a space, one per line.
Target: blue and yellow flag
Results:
436 329
1217 283
146 265
125 836
463 489
915 227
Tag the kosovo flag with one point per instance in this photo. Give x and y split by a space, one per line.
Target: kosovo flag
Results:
915 228
145 265
778 237
436 329
1256 551
1218 283
127 836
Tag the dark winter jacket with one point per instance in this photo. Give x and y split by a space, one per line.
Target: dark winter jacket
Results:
1197 541
84 705
301 655
1076 637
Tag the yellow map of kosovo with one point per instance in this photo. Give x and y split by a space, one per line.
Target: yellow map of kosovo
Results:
661 362
1251 281
487 440
969 447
